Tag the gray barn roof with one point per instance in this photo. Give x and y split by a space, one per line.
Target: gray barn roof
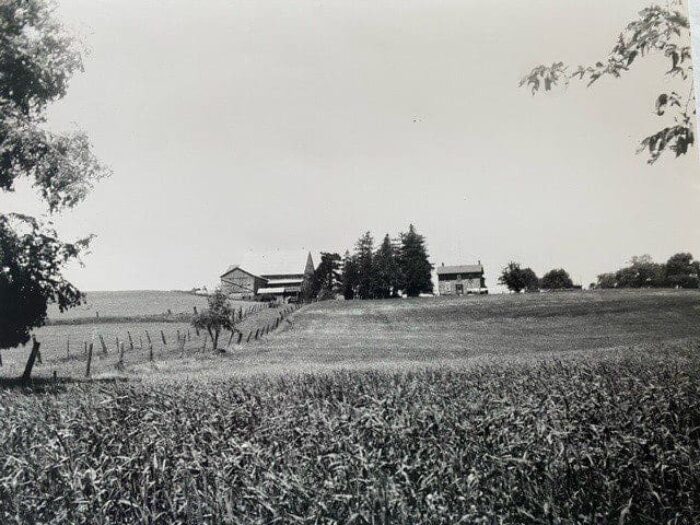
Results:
465 268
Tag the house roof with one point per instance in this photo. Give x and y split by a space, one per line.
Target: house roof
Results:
465 268
234 267
278 262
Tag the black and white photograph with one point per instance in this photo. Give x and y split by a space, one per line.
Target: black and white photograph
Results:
353 262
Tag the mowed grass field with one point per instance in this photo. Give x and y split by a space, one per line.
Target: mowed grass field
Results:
561 408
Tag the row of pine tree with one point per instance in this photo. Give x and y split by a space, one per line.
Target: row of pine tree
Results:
397 266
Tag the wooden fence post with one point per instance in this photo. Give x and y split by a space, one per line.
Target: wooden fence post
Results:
68 347
104 346
162 336
85 348
230 339
248 338
240 337
117 339
131 341
89 361
256 333
195 313
120 364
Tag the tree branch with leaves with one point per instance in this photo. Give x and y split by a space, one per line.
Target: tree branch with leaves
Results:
657 30
37 60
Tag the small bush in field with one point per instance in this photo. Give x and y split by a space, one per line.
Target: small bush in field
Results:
607 442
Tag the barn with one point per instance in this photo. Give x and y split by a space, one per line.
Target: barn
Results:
278 277
462 279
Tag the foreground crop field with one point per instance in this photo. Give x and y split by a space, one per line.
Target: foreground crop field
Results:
572 408
609 442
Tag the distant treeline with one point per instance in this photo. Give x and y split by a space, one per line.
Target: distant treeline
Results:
680 271
397 266
518 279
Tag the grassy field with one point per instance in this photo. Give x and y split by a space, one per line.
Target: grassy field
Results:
129 303
125 314
561 408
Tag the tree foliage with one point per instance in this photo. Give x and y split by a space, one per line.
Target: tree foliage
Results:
387 271
37 60
219 316
364 255
514 277
350 276
31 259
529 277
657 30
557 279
416 269
326 281
680 271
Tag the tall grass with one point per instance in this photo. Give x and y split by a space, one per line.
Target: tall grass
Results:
549 443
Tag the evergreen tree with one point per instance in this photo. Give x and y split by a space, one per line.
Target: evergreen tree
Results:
364 253
387 271
415 266
327 276
349 279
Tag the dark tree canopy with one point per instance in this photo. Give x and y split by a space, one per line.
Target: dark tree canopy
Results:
557 279
364 255
387 270
657 30
327 276
529 277
514 277
680 271
416 269
37 60
350 276
30 276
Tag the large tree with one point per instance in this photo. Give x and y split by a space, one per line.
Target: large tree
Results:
515 278
37 60
416 269
327 276
682 271
530 280
387 270
350 276
556 279
661 30
364 255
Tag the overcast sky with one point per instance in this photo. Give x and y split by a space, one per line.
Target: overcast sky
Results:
233 126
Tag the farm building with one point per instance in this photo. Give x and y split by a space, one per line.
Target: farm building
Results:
275 279
460 280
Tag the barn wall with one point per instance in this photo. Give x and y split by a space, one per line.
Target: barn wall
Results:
238 282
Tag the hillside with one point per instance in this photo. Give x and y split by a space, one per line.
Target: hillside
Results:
571 408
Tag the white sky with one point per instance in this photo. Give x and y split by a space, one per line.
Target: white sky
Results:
245 125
